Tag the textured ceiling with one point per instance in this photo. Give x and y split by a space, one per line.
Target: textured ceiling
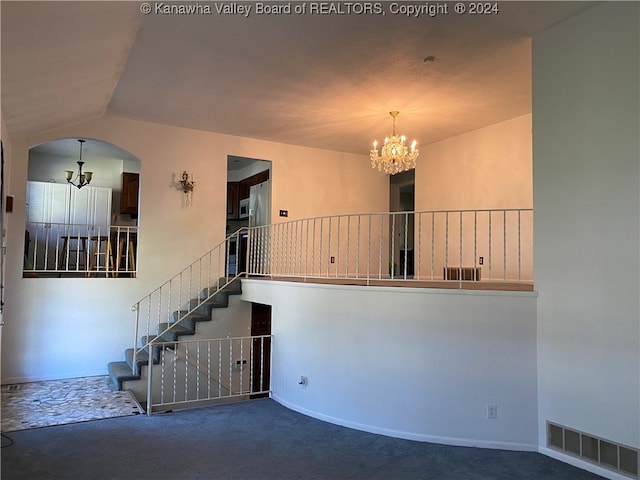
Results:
324 81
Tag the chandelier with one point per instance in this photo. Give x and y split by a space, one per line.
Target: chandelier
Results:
82 179
395 157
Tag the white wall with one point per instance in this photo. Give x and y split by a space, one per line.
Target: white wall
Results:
45 168
587 222
414 363
71 327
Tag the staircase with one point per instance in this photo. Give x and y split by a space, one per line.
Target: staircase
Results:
182 323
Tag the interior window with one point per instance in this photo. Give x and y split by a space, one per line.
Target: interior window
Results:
82 210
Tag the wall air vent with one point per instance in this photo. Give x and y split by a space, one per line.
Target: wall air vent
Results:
613 456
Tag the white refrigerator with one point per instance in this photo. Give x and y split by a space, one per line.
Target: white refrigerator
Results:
258 241
260 204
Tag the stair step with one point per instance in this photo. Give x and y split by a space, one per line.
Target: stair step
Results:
142 358
175 332
189 321
204 308
234 288
120 372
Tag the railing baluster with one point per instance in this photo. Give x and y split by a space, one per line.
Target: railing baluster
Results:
346 270
519 250
417 269
433 243
446 244
230 383
359 239
490 248
219 368
329 247
198 371
380 250
392 264
406 239
460 266
475 243
369 221
504 244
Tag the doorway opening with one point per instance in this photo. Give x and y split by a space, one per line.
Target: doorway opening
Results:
260 330
248 203
402 199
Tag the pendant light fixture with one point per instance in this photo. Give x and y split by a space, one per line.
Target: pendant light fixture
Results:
82 179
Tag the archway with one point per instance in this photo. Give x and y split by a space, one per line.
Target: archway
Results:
75 228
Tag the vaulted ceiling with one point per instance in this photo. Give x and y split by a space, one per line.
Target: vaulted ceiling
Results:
324 81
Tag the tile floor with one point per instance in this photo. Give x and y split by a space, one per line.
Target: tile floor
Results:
58 402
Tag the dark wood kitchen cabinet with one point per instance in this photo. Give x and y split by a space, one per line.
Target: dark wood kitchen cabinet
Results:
232 200
129 195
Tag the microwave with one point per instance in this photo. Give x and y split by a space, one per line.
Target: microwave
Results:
243 210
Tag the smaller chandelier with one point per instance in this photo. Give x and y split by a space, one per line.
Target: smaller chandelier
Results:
395 157
82 179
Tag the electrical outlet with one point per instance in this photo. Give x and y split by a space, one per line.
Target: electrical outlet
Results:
481 260
333 259
492 411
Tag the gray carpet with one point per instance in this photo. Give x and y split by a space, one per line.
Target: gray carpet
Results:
259 439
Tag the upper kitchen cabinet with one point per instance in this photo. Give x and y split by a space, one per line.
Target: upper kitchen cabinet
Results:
245 185
232 200
129 196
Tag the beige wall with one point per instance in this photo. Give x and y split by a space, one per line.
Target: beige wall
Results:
76 326
489 168
307 182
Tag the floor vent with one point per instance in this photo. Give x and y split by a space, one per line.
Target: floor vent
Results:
607 454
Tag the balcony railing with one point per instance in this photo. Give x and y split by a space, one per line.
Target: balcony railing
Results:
62 249
452 247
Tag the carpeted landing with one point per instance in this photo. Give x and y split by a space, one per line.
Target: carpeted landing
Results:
258 439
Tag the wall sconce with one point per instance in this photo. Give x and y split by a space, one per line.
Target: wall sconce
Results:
187 185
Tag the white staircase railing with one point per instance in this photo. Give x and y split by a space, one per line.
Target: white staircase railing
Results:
161 311
190 372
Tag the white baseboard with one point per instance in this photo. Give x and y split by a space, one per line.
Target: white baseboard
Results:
419 437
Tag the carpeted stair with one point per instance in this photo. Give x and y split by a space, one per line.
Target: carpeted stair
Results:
120 372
